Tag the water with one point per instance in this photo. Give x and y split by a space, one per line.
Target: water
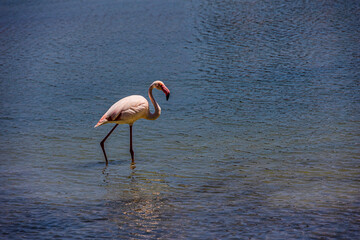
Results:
259 140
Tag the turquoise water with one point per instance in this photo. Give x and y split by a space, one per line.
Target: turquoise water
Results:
259 139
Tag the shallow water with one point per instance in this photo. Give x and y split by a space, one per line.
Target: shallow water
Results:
259 139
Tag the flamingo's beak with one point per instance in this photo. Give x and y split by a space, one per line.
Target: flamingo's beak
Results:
166 91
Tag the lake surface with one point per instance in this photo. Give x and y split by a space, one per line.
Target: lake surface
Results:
259 139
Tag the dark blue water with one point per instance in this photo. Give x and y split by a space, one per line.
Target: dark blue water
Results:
259 140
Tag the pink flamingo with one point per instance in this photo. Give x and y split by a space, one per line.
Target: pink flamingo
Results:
130 109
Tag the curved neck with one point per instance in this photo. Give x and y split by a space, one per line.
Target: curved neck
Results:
156 114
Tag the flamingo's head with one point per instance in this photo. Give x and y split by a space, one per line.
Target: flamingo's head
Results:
161 86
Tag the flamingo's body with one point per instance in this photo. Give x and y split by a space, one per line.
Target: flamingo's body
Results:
130 109
126 111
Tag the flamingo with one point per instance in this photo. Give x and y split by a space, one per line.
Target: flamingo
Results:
129 109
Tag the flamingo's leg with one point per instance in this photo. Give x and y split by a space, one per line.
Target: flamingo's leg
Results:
131 147
103 141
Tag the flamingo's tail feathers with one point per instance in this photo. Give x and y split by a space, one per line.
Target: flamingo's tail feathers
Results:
102 121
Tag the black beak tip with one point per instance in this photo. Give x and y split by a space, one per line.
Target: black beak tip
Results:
167 96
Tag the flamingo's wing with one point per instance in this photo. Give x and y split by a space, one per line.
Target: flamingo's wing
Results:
127 110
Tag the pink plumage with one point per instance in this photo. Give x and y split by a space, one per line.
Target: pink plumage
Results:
130 109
